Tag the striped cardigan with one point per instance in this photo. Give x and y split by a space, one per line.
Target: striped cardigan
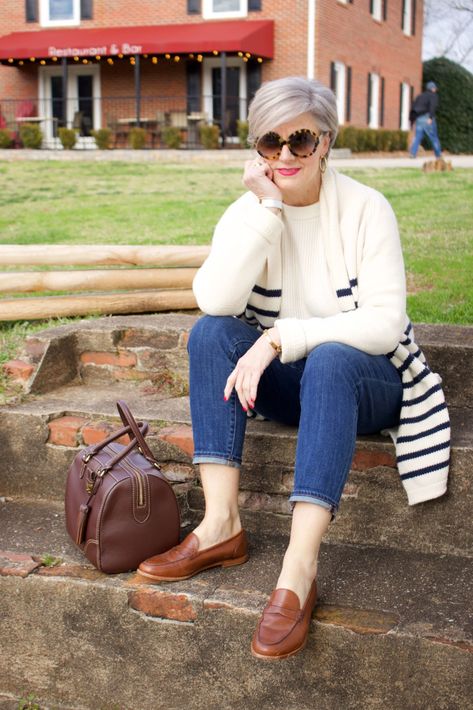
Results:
422 439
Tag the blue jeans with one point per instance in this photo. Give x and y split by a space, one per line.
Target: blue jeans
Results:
332 395
430 130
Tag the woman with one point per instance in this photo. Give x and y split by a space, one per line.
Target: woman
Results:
310 263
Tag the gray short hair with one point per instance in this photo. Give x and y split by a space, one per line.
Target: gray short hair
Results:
282 100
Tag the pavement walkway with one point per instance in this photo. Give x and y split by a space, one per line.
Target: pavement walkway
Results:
229 158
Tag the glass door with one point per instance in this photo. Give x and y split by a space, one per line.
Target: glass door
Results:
232 103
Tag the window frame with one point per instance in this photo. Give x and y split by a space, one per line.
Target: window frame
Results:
374 100
44 15
407 22
208 13
405 106
376 10
340 90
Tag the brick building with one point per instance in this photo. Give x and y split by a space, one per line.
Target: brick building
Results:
109 62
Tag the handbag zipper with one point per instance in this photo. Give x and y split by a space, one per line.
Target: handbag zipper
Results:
138 477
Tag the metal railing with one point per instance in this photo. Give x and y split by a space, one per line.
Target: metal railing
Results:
121 114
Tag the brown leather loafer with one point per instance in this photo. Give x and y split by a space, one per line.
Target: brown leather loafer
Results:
185 560
283 629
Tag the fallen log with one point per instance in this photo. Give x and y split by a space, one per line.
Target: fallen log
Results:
95 254
93 280
62 306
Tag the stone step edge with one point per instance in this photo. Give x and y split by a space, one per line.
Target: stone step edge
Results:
180 606
42 348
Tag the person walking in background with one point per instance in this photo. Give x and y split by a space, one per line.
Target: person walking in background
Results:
422 114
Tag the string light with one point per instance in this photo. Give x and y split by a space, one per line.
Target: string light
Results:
154 60
98 57
76 59
120 56
240 54
54 59
215 52
177 58
260 61
10 61
168 56
85 61
21 62
199 57
42 62
191 56
248 55
110 60
32 59
245 59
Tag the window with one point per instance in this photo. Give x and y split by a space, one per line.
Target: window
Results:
338 84
376 9
213 9
404 106
409 17
373 100
59 13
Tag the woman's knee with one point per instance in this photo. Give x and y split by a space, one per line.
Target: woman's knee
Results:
208 331
331 367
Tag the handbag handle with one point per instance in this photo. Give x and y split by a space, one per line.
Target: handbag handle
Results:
129 420
144 426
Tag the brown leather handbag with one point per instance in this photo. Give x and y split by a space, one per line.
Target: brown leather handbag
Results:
120 509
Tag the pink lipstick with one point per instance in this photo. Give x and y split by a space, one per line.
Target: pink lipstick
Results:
288 171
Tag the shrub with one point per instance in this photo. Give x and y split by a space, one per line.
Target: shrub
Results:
103 138
242 130
454 115
171 136
31 136
209 135
361 140
137 138
68 137
6 139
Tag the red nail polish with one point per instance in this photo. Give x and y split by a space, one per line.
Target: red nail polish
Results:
245 409
225 398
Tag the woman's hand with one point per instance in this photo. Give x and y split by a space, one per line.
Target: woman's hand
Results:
258 177
249 368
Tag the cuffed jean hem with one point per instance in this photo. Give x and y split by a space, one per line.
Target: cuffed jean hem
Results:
208 458
304 498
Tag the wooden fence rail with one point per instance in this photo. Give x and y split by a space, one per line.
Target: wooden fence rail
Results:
167 286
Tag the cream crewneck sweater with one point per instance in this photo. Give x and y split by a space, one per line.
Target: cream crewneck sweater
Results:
306 287
250 244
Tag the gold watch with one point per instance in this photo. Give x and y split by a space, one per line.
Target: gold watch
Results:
274 345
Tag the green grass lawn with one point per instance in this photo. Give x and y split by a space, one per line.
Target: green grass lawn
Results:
141 203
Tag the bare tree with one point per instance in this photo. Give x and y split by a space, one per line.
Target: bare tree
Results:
448 30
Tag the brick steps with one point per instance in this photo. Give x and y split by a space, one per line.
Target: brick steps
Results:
152 350
390 625
393 627
374 509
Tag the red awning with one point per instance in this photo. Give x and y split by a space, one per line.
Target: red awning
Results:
255 37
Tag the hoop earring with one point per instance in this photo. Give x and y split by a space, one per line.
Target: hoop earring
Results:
323 163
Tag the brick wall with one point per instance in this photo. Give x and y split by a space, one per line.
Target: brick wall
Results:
344 32
349 34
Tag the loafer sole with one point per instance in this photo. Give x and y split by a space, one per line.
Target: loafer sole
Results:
224 563
265 657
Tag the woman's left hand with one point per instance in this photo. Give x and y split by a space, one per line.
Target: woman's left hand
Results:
247 373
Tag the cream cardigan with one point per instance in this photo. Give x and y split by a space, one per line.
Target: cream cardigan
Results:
243 277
